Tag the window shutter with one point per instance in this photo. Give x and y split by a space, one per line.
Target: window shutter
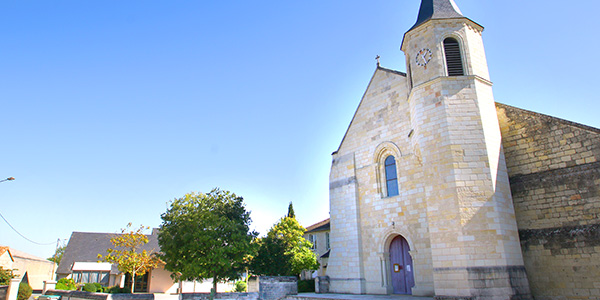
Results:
453 57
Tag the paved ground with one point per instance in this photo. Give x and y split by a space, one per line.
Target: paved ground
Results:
312 296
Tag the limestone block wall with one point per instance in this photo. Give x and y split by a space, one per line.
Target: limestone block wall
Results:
344 260
554 169
469 210
380 127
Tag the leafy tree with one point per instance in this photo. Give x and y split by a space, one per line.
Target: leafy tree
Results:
58 254
284 251
271 259
291 213
126 255
5 276
206 236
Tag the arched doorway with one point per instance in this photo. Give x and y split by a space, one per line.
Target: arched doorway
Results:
401 266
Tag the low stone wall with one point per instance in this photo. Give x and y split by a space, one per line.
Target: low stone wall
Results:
322 284
277 287
252 285
223 296
78 295
270 288
3 292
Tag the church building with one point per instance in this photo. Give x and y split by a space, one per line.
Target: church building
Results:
437 190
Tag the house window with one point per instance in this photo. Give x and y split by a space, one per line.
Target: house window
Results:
141 282
453 58
91 277
313 239
391 178
327 240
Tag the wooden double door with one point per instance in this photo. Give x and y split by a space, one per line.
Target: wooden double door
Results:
401 266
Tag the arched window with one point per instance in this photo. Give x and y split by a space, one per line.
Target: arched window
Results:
453 57
391 178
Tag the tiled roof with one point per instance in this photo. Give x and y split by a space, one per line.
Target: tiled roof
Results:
85 247
4 249
20 254
320 226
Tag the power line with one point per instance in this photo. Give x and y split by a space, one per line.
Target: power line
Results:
3 218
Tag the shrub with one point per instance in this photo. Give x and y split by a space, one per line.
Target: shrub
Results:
240 287
99 287
24 291
5 276
306 286
117 290
89 287
66 284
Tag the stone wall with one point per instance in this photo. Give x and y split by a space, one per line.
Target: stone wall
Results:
229 296
270 288
554 169
3 292
277 287
79 295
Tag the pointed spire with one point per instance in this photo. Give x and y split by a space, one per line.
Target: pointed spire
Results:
437 9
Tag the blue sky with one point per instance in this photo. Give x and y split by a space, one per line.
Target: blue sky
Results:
110 109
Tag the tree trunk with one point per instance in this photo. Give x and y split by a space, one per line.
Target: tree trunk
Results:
215 284
132 281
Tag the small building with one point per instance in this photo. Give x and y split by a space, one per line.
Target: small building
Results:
6 259
32 270
80 262
318 235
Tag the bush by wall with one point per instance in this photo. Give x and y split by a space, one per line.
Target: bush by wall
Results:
306 286
24 291
66 284
89 287
240 287
99 288
117 290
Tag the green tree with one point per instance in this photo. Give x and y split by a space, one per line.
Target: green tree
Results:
206 236
284 251
58 254
126 254
291 213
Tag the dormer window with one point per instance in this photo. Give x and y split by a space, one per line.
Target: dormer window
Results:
454 63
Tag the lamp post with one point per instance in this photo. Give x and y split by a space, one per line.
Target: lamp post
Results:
7 179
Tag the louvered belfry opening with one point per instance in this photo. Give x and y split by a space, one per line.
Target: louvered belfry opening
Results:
453 58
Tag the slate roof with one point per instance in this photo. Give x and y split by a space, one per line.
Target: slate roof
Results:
437 9
320 226
85 247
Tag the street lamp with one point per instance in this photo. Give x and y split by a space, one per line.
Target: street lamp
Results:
7 179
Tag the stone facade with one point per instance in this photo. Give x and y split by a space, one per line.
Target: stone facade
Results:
460 158
554 168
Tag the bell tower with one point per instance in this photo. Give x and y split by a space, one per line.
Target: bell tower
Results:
476 253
